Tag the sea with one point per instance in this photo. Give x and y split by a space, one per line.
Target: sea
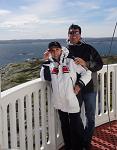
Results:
16 51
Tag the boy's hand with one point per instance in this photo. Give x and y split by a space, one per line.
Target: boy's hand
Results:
46 55
76 89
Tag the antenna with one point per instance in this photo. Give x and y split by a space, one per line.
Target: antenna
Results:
107 100
112 40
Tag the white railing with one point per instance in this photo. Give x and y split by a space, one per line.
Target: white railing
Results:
107 95
29 122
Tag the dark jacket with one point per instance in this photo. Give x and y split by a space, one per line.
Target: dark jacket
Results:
91 56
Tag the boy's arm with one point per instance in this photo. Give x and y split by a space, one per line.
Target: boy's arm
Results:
45 73
83 76
82 79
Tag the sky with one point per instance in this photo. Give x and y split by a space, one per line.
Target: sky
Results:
44 19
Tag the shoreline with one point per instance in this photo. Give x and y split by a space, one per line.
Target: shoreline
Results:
109 59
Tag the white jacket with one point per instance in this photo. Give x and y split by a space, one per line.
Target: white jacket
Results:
63 79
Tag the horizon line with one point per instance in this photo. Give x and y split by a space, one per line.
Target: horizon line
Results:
51 38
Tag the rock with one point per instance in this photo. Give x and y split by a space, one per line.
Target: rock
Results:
14 74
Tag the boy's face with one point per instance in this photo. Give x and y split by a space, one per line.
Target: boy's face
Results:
55 52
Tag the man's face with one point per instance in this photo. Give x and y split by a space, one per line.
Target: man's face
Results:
55 52
74 36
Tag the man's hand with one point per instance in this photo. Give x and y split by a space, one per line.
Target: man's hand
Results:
76 89
80 61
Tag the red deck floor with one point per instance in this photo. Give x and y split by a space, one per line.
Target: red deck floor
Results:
104 138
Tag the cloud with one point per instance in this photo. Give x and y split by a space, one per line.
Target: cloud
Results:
4 12
32 15
111 14
87 5
84 5
42 11
62 20
42 8
20 21
23 8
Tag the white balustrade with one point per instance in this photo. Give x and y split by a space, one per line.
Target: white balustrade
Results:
29 122
106 95
26 117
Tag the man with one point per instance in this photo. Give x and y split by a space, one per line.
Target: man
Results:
88 57
62 72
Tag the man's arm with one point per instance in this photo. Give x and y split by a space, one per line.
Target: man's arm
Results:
82 79
95 63
83 75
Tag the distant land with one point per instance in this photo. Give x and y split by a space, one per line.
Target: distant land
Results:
17 51
26 41
101 39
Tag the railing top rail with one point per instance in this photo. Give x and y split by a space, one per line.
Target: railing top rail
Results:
111 65
19 87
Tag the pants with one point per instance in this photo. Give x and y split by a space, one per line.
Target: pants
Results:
89 100
72 130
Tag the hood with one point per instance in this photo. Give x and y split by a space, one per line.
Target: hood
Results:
65 52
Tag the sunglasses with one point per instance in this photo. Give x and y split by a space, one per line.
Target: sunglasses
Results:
74 32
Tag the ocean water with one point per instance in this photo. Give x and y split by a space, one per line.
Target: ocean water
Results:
21 50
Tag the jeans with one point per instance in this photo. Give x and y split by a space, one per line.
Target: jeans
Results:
89 100
72 130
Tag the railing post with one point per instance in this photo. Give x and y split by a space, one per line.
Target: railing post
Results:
53 127
116 92
53 135
0 117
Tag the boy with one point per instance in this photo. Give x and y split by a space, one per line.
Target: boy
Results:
62 72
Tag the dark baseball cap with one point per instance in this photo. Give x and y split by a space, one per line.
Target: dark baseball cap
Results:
54 44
